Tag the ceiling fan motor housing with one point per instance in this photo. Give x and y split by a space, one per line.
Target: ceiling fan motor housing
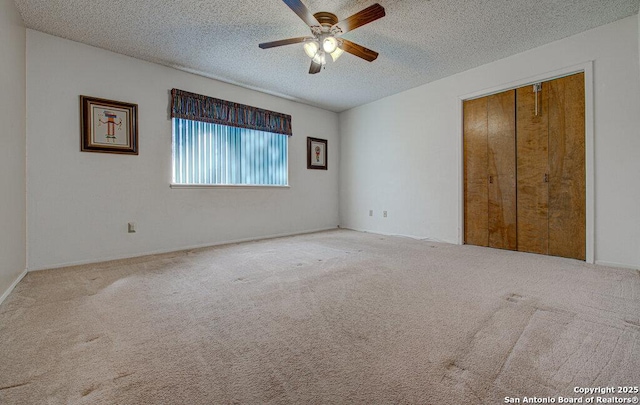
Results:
326 19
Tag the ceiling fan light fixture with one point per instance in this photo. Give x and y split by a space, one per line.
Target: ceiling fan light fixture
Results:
336 54
311 48
330 44
320 58
327 30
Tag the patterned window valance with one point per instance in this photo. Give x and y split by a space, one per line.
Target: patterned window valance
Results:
197 107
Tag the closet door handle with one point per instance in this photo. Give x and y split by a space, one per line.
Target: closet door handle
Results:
490 179
537 88
546 177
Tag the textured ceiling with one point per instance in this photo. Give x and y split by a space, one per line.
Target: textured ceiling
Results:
419 41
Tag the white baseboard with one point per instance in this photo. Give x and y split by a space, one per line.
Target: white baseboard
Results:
171 250
598 262
400 235
12 286
614 264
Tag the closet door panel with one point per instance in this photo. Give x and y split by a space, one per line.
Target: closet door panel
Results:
502 168
567 189
532 169
475 173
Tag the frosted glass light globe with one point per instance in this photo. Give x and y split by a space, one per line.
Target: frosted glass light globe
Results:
329 44
311 48
336 54
320 58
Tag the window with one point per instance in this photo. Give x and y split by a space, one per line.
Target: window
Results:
207 153
218 142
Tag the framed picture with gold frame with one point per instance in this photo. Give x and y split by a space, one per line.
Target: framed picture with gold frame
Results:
316 153
108 126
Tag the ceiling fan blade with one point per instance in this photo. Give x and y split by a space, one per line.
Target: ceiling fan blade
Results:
315 68
359 50
299 8
359 19
282 42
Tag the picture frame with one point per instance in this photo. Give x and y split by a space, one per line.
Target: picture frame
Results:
316 153
108 126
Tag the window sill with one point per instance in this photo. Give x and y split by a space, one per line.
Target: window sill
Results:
172 185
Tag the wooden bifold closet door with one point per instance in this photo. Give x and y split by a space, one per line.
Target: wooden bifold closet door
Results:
489 149
532 170
567 176
524 169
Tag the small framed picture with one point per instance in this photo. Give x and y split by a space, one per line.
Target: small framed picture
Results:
316 153
108 126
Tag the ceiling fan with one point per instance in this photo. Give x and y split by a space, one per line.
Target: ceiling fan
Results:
327 32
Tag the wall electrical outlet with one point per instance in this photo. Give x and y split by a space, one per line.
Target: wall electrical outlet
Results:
131 227
384 214
370 213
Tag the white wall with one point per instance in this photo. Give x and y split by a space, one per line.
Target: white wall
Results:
79 203
12 146
403 153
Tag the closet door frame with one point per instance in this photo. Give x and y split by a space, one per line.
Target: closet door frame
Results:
587 68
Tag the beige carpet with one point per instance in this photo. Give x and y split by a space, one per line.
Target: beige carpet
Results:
332 317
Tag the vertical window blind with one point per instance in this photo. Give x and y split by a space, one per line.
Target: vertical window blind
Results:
219 142
209 153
